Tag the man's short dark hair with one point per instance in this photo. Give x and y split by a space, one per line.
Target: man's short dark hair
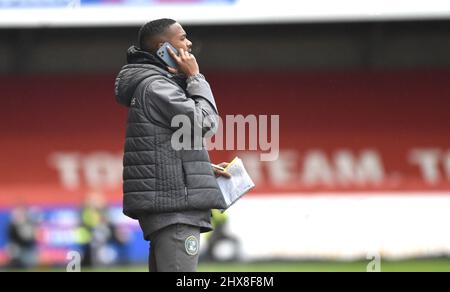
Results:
153 29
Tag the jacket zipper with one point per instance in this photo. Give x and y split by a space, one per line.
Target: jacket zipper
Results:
185 185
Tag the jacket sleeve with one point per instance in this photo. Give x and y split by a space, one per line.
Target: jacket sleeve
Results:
165 100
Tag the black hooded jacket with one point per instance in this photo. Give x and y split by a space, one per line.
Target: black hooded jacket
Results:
157 178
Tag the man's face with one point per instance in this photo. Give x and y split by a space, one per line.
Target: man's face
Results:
178 38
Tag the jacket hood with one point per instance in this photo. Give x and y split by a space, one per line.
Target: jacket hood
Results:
137 56
141 65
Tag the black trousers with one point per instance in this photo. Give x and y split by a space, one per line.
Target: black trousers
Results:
174 248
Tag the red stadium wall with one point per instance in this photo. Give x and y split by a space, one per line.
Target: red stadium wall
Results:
340 132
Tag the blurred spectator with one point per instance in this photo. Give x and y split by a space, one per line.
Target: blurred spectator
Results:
102 242
221 246
22 238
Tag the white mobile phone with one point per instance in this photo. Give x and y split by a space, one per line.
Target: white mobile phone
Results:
164 55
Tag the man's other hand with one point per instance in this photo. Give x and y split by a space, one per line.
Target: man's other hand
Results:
219 172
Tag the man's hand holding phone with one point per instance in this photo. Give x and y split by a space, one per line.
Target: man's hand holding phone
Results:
187 64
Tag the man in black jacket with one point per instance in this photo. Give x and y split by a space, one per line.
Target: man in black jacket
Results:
170 191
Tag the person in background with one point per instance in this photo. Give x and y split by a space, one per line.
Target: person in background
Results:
102 242
220 237
22 239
